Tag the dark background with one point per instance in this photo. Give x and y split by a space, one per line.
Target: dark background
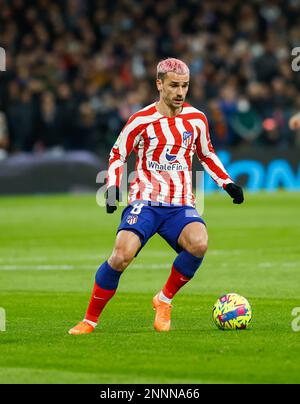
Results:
76 71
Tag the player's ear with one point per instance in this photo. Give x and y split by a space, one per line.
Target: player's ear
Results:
159 84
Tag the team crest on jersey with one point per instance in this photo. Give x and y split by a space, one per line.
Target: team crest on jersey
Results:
132 219
187 138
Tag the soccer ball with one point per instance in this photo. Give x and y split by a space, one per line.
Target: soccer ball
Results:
232 312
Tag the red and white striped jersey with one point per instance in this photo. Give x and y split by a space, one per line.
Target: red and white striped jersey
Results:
165 147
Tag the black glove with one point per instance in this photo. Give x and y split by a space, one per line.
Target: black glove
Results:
235 192
112 195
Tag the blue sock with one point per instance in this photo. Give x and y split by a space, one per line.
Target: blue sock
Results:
187 264
107 277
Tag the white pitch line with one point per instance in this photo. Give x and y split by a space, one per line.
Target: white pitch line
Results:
166 265
266 265
73 267
228 251
36 267
290 264
152 266
46 259
83 257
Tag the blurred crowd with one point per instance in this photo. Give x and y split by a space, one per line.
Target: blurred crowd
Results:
76 70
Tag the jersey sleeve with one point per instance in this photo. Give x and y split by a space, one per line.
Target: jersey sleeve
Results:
207 155
127 140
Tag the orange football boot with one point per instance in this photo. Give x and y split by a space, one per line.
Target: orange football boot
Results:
162 320
81 328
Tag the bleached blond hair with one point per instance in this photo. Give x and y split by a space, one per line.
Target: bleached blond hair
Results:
171 65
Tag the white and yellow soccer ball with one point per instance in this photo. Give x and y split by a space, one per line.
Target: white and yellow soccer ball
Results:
232 312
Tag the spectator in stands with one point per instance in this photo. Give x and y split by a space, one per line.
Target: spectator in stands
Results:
246 122
86 134
49 125
294 122
96 58
3 135
21 114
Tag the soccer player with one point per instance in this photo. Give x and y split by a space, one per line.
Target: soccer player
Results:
165 135
294 122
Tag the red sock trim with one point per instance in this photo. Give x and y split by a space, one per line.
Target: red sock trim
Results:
100 297
175 282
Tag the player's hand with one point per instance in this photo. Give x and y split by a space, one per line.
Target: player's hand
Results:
235 192
294 122
112 195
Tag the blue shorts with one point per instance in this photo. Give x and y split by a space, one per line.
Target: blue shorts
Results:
168 222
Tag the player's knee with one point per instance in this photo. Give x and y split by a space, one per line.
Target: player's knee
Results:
198 247
120 259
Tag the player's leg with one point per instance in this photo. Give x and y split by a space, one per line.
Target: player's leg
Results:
187 234
107 279
138 224
194 242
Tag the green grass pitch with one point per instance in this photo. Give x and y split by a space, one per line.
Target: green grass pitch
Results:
50 248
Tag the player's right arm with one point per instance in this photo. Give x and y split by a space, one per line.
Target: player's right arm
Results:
121 150
212 163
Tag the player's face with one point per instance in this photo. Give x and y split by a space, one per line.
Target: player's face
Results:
173 89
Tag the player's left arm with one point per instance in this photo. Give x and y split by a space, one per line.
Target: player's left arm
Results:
212 164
